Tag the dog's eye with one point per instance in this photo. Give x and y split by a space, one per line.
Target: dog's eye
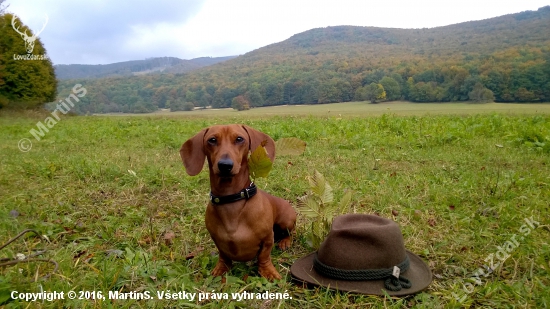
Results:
239 140
212 141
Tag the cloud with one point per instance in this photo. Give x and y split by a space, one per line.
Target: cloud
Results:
106 31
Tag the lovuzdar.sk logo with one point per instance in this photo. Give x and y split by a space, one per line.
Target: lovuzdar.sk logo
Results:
29 41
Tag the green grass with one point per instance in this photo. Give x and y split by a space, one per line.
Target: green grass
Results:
362 108
105 191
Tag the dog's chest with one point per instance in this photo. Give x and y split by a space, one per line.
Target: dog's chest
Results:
240 244
234 234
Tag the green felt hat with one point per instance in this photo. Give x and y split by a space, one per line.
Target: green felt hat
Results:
364 254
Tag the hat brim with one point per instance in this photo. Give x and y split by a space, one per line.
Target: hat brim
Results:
418 273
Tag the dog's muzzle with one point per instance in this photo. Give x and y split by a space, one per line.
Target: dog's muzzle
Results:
225 166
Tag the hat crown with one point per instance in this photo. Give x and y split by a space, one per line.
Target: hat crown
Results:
359 242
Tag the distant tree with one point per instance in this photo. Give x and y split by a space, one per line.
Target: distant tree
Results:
273 94
23 83
375 93
142 107
328 93
361 94
288 92
467 86
223 97
426 92
160 96
392 88
188 106
495 81
205 100
480 94
409 87
240 103
305 94
190 96
254 97
211 89
217 98
524 95
180 105
373 77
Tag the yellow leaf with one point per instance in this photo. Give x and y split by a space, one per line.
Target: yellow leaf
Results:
290 146
259 163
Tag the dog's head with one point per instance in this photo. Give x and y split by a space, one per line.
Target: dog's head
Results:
225 146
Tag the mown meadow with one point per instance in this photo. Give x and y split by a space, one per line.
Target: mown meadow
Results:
119 213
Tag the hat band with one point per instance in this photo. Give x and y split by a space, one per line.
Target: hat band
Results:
392 283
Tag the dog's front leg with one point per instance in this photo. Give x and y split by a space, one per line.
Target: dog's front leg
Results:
223 265
265 266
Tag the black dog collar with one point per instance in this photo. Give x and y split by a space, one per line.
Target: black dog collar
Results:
245 193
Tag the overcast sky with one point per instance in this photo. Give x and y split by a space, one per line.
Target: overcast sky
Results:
107 31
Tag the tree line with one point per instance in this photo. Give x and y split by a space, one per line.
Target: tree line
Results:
519 74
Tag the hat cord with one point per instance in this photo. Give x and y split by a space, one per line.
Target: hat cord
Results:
396 284
391 282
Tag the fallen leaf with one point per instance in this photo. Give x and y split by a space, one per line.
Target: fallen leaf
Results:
194 253
169 238
452 207
115 252
431 222
145 240
290 146
395 212
88 257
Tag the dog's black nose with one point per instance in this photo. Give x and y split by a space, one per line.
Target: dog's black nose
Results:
225 166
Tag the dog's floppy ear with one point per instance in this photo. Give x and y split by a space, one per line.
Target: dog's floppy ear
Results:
192 153
257 138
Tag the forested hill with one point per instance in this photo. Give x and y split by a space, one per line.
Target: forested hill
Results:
135 67
506 59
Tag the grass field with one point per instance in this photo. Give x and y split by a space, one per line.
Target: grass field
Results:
362 109
120 213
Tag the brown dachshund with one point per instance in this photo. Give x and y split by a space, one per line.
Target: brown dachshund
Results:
243 221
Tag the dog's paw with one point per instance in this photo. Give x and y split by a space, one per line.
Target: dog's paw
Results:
220 269
285 243
269 272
